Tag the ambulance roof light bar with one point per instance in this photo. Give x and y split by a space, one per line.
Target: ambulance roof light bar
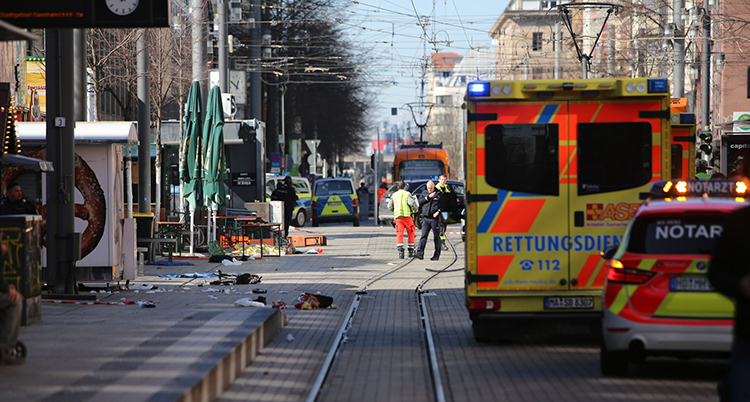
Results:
692 188
479 88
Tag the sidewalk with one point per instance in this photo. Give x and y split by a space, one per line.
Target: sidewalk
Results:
194 341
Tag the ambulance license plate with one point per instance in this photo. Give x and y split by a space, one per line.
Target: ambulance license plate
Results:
334 203
568 303
690 284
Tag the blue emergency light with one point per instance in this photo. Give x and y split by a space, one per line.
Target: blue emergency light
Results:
687 118
658 85
479 89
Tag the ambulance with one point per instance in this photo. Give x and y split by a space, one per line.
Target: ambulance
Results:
554 170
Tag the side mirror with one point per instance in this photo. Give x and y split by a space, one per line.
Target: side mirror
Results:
609 253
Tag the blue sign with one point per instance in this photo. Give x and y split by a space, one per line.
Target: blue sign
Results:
275 160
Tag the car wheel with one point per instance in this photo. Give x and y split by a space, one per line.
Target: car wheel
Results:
418 221
315 222
356 221
613 363
299 220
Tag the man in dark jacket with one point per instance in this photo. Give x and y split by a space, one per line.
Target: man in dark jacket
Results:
285 192
429 207
11 302
729 273
14 202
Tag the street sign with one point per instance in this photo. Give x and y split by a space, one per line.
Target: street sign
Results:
275 162
87 13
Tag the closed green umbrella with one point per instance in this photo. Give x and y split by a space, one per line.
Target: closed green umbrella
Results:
191 155
215 161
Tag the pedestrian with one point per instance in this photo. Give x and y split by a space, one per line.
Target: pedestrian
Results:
11 304
701 169
448 204
285 192
403 206
729 274
738 169
14 203
429 205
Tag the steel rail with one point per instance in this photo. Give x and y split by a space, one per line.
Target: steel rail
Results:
349 318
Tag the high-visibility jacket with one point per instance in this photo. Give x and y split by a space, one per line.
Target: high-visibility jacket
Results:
400 202
444 188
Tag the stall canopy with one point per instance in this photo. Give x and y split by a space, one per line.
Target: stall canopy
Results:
85 133
26 163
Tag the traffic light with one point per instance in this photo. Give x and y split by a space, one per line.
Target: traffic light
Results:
705 138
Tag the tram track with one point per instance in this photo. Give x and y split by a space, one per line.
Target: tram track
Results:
340 338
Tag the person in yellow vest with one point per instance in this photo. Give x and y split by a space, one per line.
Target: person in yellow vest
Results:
443 187
403 205
701 169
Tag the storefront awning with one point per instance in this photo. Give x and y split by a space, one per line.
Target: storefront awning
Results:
119 132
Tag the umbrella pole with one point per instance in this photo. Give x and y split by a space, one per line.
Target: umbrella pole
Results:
211 222
192 230
215 213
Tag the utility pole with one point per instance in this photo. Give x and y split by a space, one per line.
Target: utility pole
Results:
678 78
706 70
223 70
558 47
61 239
255 42
196 27
144 127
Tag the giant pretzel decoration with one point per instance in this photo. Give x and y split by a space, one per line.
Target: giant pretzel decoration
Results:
94 208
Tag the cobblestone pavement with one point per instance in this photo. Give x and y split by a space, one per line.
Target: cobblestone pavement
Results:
106 352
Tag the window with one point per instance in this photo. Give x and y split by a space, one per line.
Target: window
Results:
415 169
522 158
677 161
613 156
675 235
536 42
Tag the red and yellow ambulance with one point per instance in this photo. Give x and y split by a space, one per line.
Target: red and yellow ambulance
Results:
554 170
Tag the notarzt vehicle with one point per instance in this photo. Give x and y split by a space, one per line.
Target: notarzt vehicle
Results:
657 298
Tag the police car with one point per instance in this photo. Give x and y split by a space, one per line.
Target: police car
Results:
303 211
657 297
335 200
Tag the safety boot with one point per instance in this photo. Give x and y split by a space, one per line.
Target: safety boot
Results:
411 252
401 253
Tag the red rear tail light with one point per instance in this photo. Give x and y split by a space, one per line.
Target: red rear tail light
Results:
355 202
484 304
627 275
314 204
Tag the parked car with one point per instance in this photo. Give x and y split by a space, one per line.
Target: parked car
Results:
335 200
303 211
417 187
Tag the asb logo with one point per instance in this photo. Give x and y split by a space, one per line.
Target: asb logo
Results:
610 214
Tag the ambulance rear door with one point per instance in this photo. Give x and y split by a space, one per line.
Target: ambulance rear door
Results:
616 151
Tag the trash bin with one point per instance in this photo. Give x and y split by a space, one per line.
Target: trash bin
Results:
144 230
364 206
23 263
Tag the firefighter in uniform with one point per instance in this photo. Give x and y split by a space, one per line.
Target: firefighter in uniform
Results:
403 205
443 187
